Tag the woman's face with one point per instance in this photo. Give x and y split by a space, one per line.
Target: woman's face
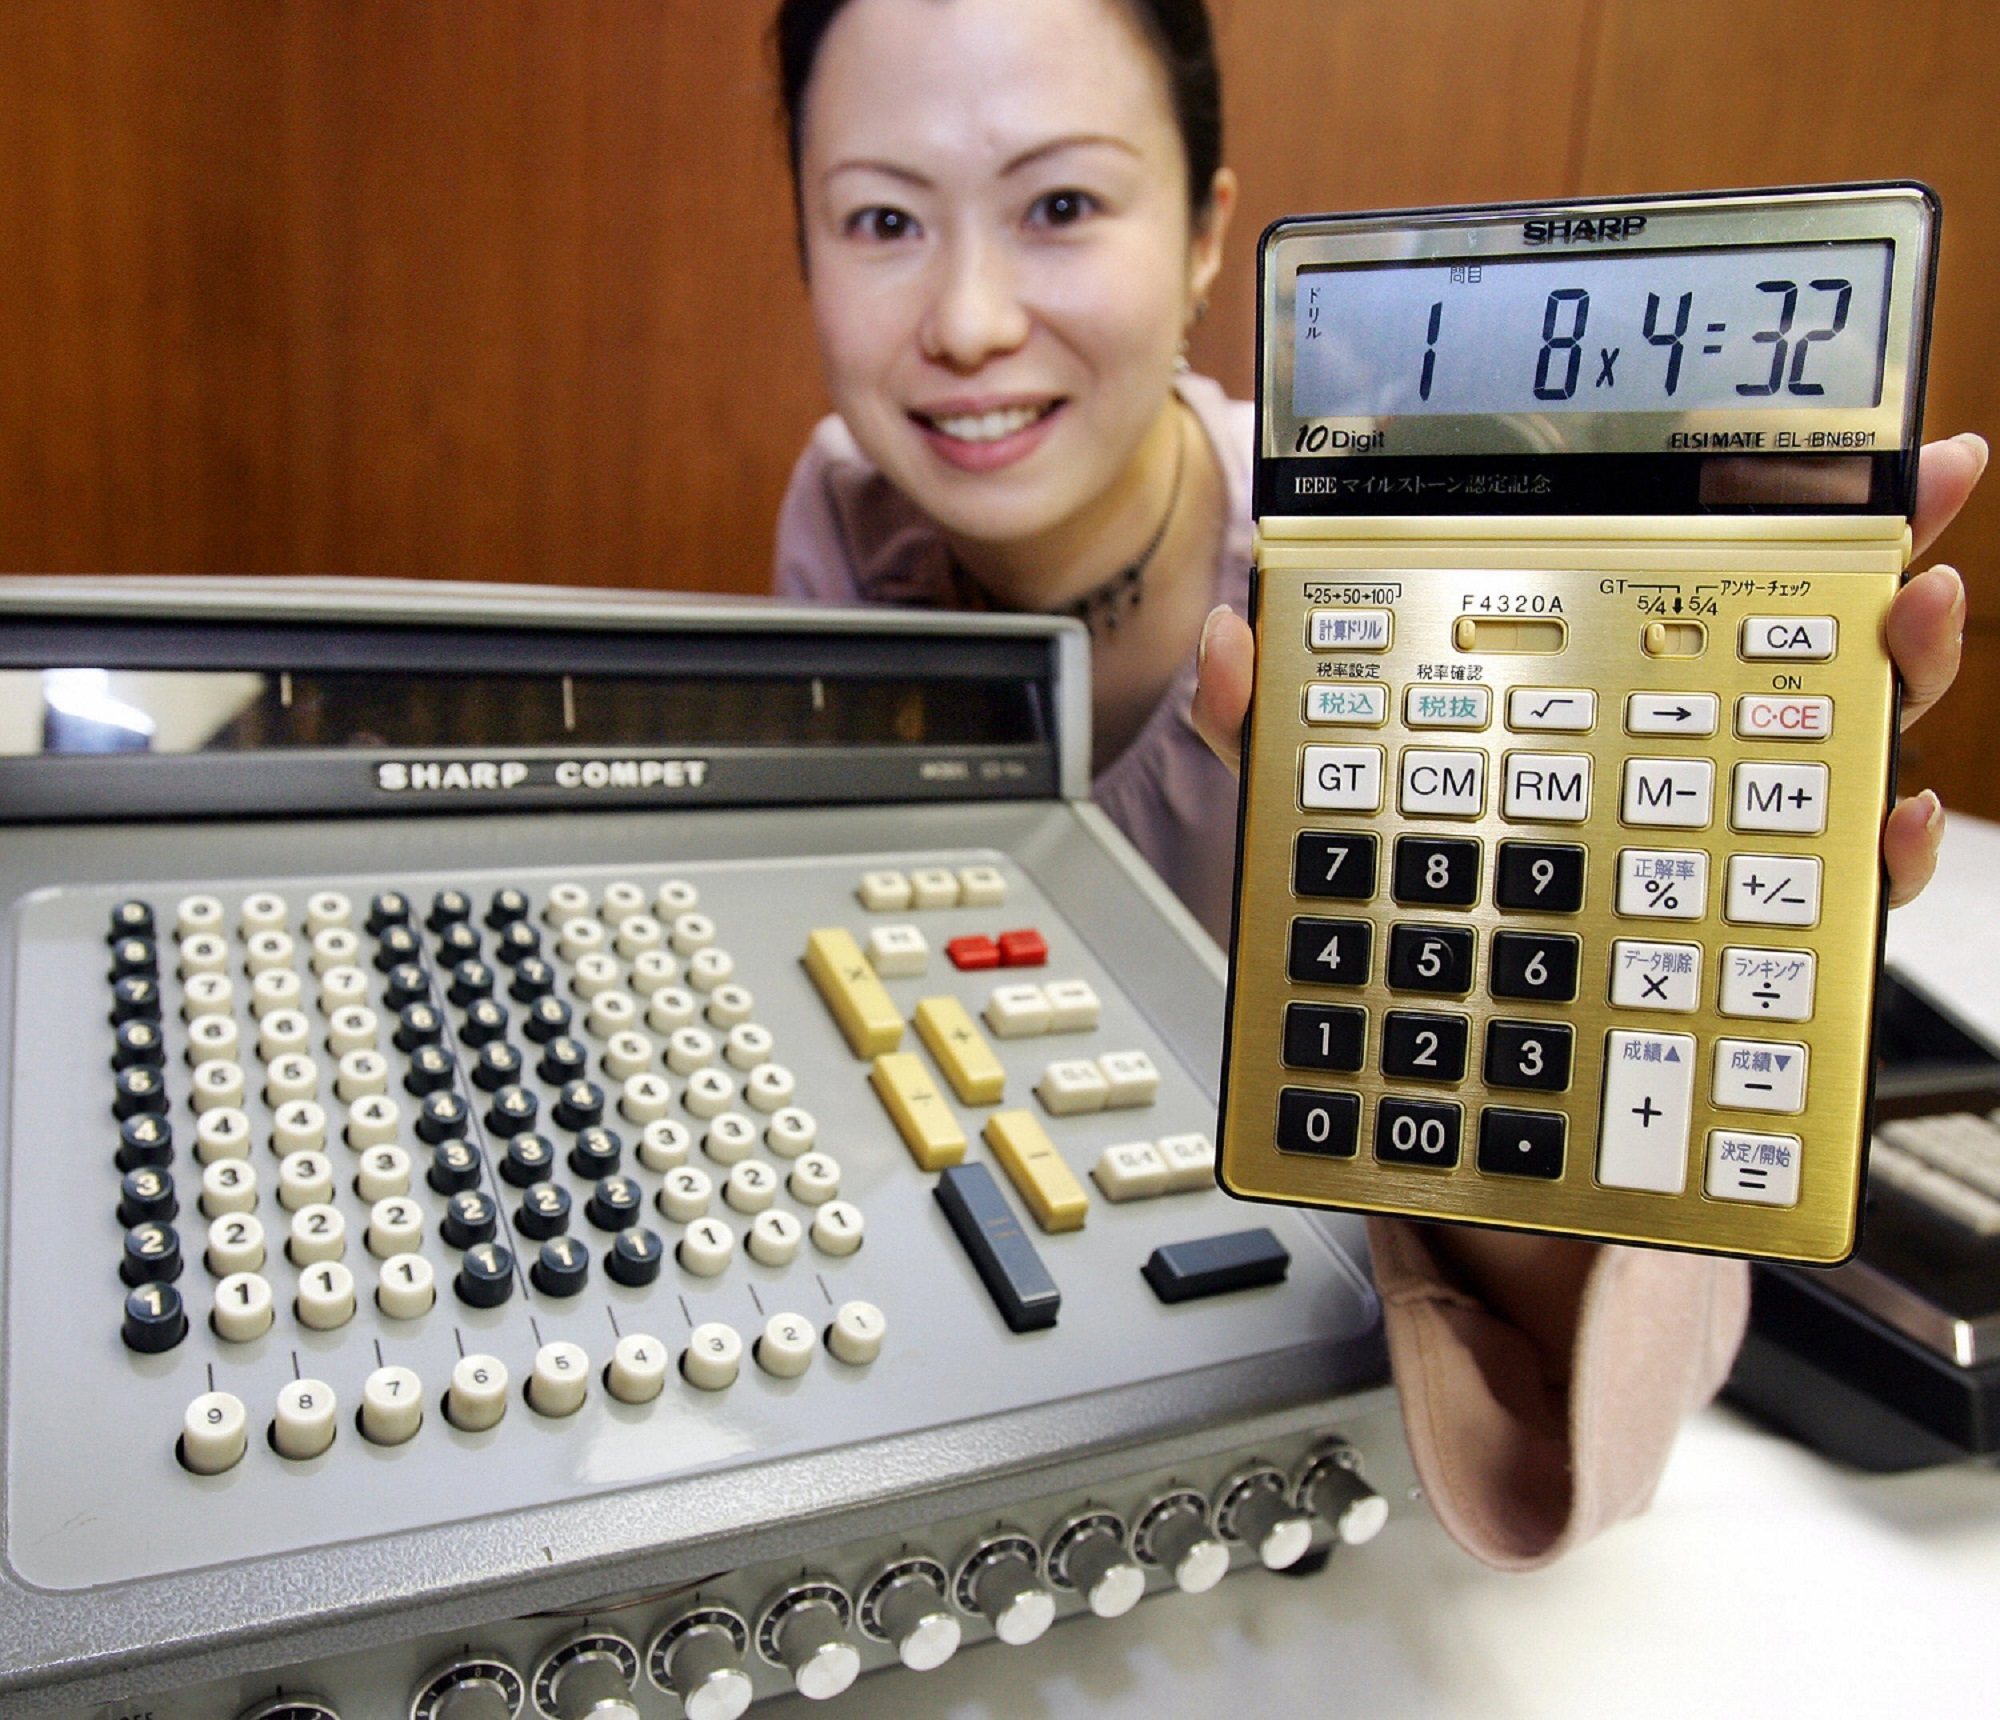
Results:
997 244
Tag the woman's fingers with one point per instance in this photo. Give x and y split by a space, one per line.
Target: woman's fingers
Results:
1926 630
1910 841
1222 685
1946 473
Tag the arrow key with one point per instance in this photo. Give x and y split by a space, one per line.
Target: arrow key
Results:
1672 713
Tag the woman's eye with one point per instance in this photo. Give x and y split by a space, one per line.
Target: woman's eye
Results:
1061 208
880 223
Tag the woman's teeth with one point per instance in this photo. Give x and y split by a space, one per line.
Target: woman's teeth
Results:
989 426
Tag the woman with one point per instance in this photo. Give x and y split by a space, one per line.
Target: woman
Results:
1009 212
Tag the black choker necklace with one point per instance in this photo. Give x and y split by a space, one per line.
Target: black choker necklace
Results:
1107 603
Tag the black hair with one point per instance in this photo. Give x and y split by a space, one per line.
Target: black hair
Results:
1177 29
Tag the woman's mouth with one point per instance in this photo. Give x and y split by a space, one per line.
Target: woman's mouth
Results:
984 439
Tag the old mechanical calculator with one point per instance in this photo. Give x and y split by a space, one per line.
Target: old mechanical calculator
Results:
1559 895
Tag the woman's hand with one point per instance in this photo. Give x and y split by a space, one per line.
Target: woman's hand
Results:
1926 624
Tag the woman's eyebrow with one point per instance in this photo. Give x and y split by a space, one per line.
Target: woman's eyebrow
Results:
908 175
1056 145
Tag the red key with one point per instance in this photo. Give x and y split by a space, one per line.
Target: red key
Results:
973 953
1023 949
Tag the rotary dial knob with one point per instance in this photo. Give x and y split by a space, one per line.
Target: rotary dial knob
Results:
1089 1554
1173 1531
589 1677
1332 1487
999 1581
904 1604
291 1708
805 1631
1255 1507
699 1658
473 1688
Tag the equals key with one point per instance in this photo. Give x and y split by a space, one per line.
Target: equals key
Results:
998 1248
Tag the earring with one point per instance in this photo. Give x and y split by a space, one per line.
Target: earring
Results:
1181 365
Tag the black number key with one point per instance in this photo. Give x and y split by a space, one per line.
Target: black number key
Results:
1430 958
1547 876
1331 952
1418 1132
1528 1054
1428 1047
1328 864
1539 965
1440 869
1521 1143
1323 1036
1327 1124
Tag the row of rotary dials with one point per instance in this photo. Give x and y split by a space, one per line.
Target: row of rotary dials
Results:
912 1602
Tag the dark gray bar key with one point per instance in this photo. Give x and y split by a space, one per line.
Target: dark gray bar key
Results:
1001 1253
1211 1265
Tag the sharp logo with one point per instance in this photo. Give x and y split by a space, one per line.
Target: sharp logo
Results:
1582 229
449 776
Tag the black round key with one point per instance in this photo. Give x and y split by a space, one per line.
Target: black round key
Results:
579 1105
139 1089
516 943
458 943
544 1211
548 1018
135 998
596 1152
146 1196
562 1268
130 920
533 978
147 1139
499 1065
513 1111
155 1319
454 1167
408 984
469 1217
449 908
397 947
418 1024
430 1070
485 1021
615 1203
634 1256
135 955
506 907
443 1118
390 908
152 1255
139 1043
470 981
563 1059
529 1160
486 1276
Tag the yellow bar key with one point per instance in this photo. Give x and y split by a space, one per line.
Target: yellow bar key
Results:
865 1012
961 1051
918 1110
1030 1159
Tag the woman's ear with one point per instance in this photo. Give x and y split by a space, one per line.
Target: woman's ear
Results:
1205 251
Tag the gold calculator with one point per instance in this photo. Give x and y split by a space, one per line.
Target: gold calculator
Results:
1559 895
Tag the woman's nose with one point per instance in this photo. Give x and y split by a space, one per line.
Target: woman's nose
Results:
975 312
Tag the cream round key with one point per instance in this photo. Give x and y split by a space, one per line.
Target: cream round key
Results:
196 915
708 1093
362 1074
221 1133
689 1049
298 1126
477 1397
775 1237
706 1248
304 1179
373 1121
713 1357
692 932
343 988
218 1086
595 973
228 1186
244 1308
407 1287
815 1179
283 1033
638 934
263 911
319 1232
289 1078
837 1228
395 1226
748 1044
638 1368
856 1334
215 1433
709 968
676 897
627 1054
671 1008
327 909
336 947
752 1184
207 994
730 1138
654 970
685 1194
384 1174
729 1005
644 1098
579 937
213 1039
791 1131
235 1244
559 1380
770 1087
785 1350
325 1301
306 1420
263 951
205 952
622 899
275 989
664 1145
566 902
392 1406
614 1012
354 1028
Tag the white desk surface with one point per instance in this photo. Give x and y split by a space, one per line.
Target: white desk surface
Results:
1764 1582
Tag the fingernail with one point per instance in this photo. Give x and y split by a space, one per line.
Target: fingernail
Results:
1977 443
1933 813
1207 630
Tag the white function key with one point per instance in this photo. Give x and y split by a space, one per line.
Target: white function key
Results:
1672 713
627 1054
644 1099
638 1368
751 1187
623 899
1655 976
676 897
395 1226
372 1122
1442 784
884 892
306 1420
785 1350
336 947
692 932
612 1011
837 1228
327 910
1132 1171
770 1087
709 968
1348 630
653 970
215 1430
212 1039
1762 1169
1190 1162
288 1079
596 971
218 1086
304 1179
263 951
1807 638
196 915
730 1005
361 1073
236 1244
856 1333
729 1139
283 1033
229 1185
1019 1011
1340 779
1772 890
708 1093
326 1296
981 887
685 1194
384 1174
1130 1080
1467 705
477 1396
1648 1096
263 912
1346 704
792 1129
244 1308
775 1237
1776 985
407 1287
671 1008
1783 717
319 1232
566 902
343 988
392 1406
933 887
712 1357
1071 1087
580 936
1759 1075
815 1179
664 1144
206 994
1785 797
747 1045
1552 710
205 952
560 1379
1676 792
1546 788
898 952
275 988
689 1049
707 1247
221 1133
1662 884
1073 1006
